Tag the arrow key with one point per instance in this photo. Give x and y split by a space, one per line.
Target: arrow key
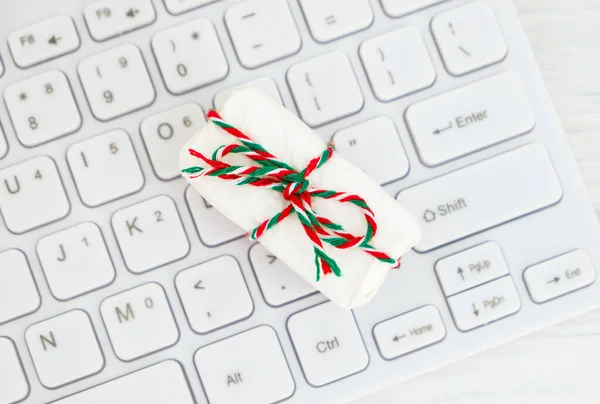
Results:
408 332
278 284
43 41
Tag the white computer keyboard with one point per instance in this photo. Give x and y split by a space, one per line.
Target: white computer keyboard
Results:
118 284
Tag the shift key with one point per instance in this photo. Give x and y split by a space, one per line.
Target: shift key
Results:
483 195
470 118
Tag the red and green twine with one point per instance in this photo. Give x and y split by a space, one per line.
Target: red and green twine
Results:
296 189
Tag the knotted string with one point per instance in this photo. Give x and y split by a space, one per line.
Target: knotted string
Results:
297 190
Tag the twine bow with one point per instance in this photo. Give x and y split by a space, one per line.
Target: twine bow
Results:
295 188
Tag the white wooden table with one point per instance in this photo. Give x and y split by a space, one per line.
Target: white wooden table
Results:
560 364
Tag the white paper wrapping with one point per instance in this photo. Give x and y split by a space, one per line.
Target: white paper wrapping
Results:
288 138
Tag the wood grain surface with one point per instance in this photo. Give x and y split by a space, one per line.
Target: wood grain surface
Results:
560 364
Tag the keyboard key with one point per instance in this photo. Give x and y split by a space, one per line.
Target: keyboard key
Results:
409 332
214 294
32 195
278 283
139 321
325 88
42 108
166 133
162 383
17 287
64 349
374 146
262 31
116 82
470 118
485 304
43 41
110 18
14 386
471 267
265 85
328 343
332 19
105 167
247 368
181 6
182 53
213 228
3 144
75 261
150 234
559 276
397 63
483 195
399 8
469 38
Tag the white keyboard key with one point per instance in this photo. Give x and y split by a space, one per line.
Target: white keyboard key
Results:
485 304
1 68
43 41
397 63
32 195
139 321
17 287
265 85
75 261
374 146
166 133
14 386
109 18
325 88
190 56
332 19
162 383
482 195
328 343
42 108
3 144
105 167
262 31
150 234
214 294
181 6
470 118
469 38
471 267
64 349
278 283
213 228
247 368
399 8
408 332
559 276
116 82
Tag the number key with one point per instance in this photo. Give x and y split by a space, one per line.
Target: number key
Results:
116 82
105 167
42 108
190 56
165 134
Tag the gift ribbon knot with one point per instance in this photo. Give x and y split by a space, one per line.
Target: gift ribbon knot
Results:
297 190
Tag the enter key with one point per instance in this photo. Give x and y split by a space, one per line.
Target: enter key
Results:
470 118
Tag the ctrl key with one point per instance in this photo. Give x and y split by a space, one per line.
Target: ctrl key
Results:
13 383
247 368
328 343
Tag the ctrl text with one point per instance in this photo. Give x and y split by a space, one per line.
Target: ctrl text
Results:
328 345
